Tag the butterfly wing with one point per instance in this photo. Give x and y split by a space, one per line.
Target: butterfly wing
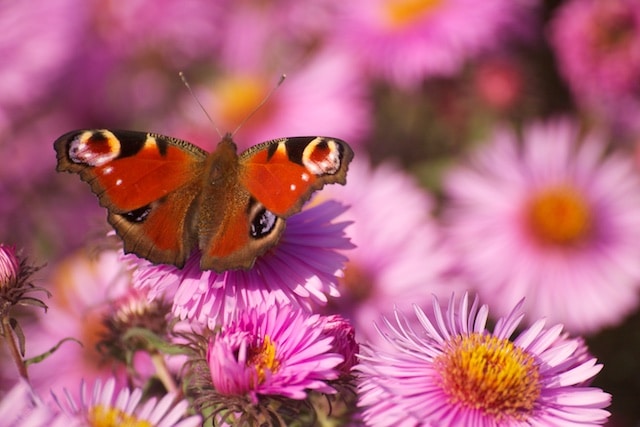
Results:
266 184
282 174
149 184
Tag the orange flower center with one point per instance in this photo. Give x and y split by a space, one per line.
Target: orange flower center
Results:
263 358
489 374
560 216
239 97
400 13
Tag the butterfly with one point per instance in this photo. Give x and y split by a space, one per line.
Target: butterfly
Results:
165 196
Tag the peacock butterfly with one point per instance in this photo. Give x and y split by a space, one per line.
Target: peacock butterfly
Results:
165 196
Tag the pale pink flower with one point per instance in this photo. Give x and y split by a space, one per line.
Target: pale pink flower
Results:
451 370
406 41
399 258
552 217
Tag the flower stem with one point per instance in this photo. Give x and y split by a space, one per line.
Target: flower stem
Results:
13 347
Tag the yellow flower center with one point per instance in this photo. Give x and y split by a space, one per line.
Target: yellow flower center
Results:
263 358
101 416
560 216
239 97
401 13
489 374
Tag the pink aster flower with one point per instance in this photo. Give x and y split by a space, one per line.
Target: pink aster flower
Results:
272 349
399 258
109 405
453 371
302 268
553 220
406 41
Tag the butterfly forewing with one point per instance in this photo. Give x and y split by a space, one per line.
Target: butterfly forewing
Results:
282 174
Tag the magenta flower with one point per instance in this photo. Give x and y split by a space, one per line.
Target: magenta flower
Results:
302 268
453 371
597 44
553 220
109 405
399 258
272 350
406 41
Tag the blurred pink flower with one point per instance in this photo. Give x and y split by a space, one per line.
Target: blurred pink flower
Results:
45 213
453 371
499 83
82 287
406 41
399 259
302 268
597 46
133 80
38 43
322 96
553 218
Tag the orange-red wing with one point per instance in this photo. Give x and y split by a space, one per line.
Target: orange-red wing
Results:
282 174
128 170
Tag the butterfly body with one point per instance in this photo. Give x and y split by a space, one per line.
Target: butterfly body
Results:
166 197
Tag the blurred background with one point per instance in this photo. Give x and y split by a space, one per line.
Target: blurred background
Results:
414 85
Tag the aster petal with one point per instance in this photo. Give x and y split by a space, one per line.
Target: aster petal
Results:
579 374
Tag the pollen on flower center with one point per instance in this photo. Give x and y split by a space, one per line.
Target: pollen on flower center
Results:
403 12
263 358
101 416
490 374
239 98
559 215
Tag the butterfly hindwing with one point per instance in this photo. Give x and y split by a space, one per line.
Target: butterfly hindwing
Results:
148 183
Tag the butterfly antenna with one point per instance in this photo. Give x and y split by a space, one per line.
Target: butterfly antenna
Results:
186 83
264 101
